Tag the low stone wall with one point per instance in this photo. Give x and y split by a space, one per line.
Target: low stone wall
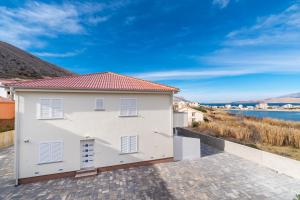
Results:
278 163
6 139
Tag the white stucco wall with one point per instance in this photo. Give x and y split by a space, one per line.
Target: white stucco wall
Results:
153 127
3 92
198 117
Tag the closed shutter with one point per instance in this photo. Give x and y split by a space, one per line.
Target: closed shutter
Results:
133 144
56 151
57 108
50 109
128 107
129 144
50 152
99 104
125 144
45 108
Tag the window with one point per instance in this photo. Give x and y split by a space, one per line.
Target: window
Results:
50 109
99 104
193 114
50 152
129 144
128 107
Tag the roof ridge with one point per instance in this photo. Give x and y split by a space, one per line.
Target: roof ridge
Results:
167 86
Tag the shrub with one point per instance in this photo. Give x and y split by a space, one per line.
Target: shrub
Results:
195 124
297 197
254 130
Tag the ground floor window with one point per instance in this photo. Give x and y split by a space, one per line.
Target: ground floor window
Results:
129 144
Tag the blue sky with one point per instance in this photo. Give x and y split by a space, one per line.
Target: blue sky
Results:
213 50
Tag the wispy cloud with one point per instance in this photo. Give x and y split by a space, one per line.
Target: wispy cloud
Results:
221 3
25 26
282 28
59 55
191 74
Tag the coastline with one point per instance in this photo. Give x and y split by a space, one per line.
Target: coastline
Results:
264 110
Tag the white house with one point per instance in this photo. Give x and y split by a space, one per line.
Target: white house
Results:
262 106
193 115
288 106
90 123
193 104
4 91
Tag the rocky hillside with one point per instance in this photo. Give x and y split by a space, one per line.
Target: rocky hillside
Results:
16 63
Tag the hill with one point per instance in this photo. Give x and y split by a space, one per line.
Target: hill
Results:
18 64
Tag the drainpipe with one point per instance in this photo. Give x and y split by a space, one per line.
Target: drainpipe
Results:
17 116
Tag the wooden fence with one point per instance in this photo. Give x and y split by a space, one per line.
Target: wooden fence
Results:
6 139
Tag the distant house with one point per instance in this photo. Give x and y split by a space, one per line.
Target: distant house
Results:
5 91
74 125
193 115
228 106
179 105
240 106
193 104
262 106
288 106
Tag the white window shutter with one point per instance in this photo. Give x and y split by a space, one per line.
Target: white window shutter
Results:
45 108
44 152
128 107
99 104
56 151
57 108
133 144
125 148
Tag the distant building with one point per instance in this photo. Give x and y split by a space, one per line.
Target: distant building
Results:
228 106
241 106
287 106
193 104
250 107
193 115
179 105
262 106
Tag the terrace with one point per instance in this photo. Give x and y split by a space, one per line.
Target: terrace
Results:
217 175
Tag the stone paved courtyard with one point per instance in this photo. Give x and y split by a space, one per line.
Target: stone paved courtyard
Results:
217 175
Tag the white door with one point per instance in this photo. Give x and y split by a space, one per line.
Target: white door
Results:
87 154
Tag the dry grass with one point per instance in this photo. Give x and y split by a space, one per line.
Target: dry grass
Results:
267 134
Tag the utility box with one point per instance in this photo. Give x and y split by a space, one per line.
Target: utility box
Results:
186 148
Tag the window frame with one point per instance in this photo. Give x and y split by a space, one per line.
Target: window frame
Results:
136 107
130 152
39 116
95 105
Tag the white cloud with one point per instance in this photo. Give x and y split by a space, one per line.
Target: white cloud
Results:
279 29
24 26
221 3
59 55
191 74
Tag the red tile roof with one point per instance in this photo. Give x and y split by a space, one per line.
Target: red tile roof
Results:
99 81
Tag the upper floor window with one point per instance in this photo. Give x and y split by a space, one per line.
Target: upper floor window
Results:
128 107
99 104
50 109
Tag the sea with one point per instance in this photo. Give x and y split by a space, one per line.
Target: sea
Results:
283 115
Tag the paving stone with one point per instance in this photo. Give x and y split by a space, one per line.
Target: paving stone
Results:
217 175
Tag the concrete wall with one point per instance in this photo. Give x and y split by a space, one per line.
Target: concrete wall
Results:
186 148
153 125
278 163
180 119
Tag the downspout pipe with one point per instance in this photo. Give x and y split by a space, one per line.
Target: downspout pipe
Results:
16 139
